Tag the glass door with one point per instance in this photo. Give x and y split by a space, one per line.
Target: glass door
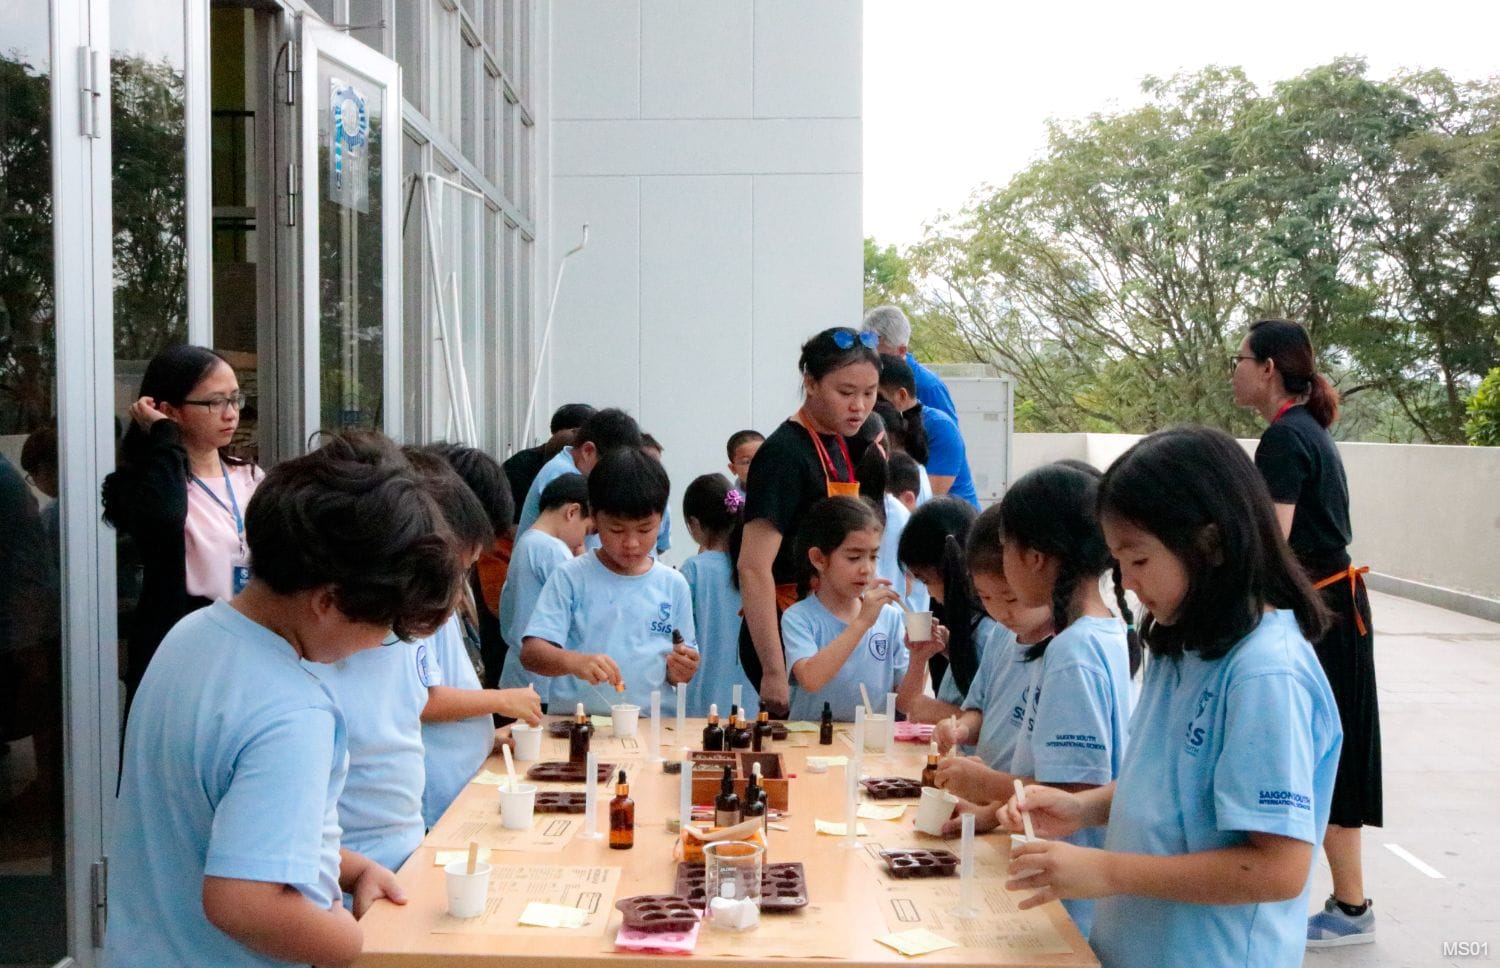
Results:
351 259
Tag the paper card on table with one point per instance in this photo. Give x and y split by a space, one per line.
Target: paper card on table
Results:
491 778
478 819
918 941
602 722
828 761
542 915
881 811
801 727
588 890
839 829
442 858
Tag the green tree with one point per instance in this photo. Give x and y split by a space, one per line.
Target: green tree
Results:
1483 425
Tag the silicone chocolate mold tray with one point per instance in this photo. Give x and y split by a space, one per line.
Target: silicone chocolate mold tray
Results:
783 887
560 801
657 912
920 863
891 787
559 772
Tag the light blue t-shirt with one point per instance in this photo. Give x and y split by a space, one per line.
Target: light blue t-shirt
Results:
457 749
531 509
716 617
532 561
234 759
1220 749
585 607
879 661
381 693
946 454
1001 693
888 563
1077 722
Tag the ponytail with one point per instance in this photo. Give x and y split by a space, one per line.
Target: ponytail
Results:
962 615
1132 637
1323 401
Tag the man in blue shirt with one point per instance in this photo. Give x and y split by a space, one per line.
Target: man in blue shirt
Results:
894 330
946 458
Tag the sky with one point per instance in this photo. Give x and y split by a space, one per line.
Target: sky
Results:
957 92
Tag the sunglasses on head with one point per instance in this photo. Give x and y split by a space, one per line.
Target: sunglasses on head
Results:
844 338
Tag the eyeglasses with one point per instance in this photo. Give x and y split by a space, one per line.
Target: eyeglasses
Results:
844 338
1234 362
219 404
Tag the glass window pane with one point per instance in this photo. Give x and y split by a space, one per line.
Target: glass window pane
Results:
496 417
414 276
471 119
33 855
327 9
350 133
508 43
408 30
494 151
366 19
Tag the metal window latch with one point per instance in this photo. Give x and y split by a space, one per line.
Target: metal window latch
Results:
90 91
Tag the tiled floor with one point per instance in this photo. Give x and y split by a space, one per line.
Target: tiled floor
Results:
1439 678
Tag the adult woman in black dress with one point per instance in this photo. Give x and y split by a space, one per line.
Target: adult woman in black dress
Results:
1275 372
804 460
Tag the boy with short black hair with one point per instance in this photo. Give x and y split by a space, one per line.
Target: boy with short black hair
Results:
603 432
227 848
741 450
903 478
616 615
556 538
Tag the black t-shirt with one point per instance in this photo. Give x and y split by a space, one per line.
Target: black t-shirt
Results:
786 478
1300 463
521 469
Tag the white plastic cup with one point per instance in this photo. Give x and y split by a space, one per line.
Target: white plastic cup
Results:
876 727
527 741
626 720
517 805
919 626
467 892
934 810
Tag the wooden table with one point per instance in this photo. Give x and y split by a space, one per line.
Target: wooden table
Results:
852 900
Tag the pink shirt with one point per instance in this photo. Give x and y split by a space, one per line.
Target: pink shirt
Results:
213 543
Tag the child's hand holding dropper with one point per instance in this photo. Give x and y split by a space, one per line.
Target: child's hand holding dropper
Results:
875 598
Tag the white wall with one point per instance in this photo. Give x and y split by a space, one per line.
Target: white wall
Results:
713 146
1421 513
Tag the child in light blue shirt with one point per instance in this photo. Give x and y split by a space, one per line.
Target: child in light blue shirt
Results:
556 537
850 631
616 615
711 508
932 551
1224 793
604 431
227 845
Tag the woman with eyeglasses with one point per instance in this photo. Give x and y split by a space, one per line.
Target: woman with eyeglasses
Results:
179 496
811 456
1275 372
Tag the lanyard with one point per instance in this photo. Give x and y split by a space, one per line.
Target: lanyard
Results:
233 507
1284 408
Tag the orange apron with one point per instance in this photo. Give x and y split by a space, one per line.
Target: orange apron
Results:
493 566
1351 575
834 488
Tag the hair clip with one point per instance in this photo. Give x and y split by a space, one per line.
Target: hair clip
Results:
734 500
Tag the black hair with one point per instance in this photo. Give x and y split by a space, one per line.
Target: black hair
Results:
649 442
564 490
870 470
827 525
707 501
740 438
934 539
1196 492
985 553
629 483
1054 509
354 515
169 378
902 433
461 507
902 473
1287 344
821 355
570 416
40 450
486 478
896 374
608 430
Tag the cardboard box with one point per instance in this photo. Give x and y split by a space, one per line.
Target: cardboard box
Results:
708 775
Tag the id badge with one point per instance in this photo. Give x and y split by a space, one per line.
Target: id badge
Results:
239 577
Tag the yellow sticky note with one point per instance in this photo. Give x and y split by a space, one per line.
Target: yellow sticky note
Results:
918 941
881 811
838 829
540 915
601 722
828 761
442 858
801 727
491 778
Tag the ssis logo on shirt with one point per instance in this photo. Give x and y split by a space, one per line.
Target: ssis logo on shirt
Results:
880 646
1197 734
663 623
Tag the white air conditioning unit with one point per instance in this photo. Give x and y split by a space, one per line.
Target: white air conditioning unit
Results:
985 401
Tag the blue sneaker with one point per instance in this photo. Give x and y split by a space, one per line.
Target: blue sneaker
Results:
1332 927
